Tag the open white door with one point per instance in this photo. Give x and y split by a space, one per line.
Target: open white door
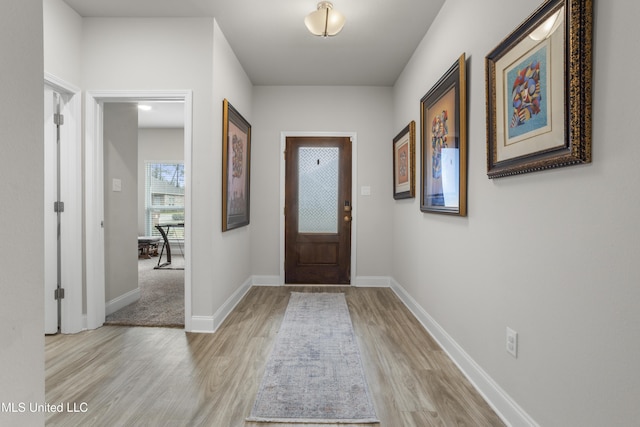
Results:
50 216
62 182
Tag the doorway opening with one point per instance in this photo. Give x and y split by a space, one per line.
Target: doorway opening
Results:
95 188
145 283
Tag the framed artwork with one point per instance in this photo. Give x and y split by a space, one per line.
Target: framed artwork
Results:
443 144
236 168
538 83
404 163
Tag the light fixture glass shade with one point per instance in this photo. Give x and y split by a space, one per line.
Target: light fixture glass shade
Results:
325 21
548 27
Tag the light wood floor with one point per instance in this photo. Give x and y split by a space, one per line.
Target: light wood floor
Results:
166 377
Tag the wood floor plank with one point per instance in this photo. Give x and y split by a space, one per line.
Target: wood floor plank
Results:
166 377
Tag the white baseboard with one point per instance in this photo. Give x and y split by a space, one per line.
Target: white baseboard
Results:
122 301
266 281
506 408
210 324
202 324
372 282
230 304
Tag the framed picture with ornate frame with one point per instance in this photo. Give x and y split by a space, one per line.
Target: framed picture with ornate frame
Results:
404 163
443 144
538 83
236 168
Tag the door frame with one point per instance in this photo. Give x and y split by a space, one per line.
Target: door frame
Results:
354 194
71 320
94 193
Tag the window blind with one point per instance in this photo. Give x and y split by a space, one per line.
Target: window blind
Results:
164 197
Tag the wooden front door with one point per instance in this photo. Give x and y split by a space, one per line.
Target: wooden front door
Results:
318 210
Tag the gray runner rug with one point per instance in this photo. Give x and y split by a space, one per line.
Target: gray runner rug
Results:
314 373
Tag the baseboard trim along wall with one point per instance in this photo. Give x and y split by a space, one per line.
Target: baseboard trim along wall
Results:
202 324
372 282
230 304
122 301
506 408
266 281
210 324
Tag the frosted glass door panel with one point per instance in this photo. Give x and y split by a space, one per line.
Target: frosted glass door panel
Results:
318 189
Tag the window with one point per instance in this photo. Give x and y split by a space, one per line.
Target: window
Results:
164 197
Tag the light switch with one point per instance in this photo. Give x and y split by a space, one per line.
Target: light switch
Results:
365 190
117 184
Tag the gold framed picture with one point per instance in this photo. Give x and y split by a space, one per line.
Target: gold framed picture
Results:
404 163
443 144
236 168
538 83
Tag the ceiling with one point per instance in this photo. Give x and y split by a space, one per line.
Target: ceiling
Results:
163 114
274 47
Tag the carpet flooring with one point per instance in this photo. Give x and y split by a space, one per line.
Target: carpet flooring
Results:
161 302
314 373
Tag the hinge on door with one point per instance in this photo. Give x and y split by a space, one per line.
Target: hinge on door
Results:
284 153
58 119
58 206
58 294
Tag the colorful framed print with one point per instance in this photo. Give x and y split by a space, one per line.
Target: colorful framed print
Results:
443 144
236 168
538 83
404 163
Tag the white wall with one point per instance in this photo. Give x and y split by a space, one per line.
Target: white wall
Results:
550 254
22 166
156 144
166 54
179 54
62 41
230 253
364 110
120 204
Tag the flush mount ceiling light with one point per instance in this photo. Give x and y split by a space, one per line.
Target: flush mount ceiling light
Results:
325 21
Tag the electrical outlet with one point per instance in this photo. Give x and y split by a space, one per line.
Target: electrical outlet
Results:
512 342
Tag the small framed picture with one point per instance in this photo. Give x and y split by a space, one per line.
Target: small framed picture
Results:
443 144
404 163
236 168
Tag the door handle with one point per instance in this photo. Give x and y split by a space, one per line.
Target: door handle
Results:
347 218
